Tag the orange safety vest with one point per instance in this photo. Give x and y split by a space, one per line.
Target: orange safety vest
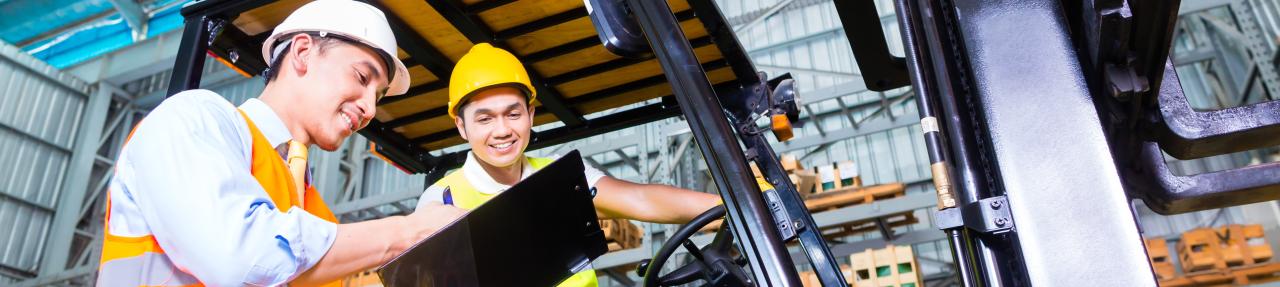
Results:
139 260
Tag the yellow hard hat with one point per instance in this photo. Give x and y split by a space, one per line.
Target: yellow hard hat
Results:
483 67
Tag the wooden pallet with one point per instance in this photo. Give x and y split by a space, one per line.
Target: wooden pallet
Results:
1244 275
857 227
891 266
621 234
1158 256
810 279
1199 250
1222 248
847 196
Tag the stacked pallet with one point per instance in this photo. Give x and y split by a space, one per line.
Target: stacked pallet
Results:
810 279
620 234
1158 256
1233 254
1222 248
1245 245
849 196
1198 250
893 266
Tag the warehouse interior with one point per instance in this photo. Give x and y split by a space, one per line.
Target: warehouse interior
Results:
78 75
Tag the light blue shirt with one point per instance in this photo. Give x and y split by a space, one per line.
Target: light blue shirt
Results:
184 177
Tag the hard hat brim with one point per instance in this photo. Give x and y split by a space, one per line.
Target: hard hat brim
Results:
399 80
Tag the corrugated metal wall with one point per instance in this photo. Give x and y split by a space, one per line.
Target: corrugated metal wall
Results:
40 110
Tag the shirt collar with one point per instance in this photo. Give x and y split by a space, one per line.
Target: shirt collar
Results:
267 121
481 180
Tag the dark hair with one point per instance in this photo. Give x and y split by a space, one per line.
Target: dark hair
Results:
321 43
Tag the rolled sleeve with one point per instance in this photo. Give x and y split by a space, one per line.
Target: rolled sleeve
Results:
433 194
593 175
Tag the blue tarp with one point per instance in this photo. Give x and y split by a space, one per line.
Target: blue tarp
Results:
83 32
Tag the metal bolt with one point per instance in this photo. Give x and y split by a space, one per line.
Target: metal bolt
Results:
995 204
1001 221
577 187
798 224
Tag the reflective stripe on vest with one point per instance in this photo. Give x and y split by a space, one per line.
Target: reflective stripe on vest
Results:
465 196
139 260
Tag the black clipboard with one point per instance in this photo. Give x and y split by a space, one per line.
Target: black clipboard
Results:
537 233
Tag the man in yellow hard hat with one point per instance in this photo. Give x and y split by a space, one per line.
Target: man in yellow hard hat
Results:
206 193
490 100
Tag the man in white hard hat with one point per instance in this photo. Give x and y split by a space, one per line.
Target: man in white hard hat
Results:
206 193
491 102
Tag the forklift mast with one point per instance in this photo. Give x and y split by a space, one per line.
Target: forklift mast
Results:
1043 120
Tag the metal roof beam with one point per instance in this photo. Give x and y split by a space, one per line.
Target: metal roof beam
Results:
133 15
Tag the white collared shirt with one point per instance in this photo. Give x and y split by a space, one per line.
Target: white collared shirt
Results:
480 179
184 177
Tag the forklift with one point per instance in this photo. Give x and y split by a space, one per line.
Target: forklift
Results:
1044 119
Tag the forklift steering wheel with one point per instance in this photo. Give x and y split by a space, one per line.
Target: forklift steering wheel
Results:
715 263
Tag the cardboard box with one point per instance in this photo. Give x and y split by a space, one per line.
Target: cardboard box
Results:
892 266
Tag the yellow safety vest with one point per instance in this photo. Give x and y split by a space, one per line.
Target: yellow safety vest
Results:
139 260
466 196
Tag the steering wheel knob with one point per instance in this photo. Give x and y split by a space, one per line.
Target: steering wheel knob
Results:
644 266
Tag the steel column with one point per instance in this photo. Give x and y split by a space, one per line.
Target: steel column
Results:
189 65
76 182
752 224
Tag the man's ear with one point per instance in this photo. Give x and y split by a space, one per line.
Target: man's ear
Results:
462 130
302 49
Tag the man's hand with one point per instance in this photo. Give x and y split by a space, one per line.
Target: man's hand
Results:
367 244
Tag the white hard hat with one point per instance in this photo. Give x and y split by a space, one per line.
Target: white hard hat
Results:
348 19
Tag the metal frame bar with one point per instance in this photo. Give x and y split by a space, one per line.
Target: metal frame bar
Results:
720 32
526 28
754 226
587 42
617 121
486 6
589 97
189 65
880 70
613 65
880 208
76 182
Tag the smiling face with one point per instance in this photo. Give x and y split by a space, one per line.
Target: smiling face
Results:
339 85
496 123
